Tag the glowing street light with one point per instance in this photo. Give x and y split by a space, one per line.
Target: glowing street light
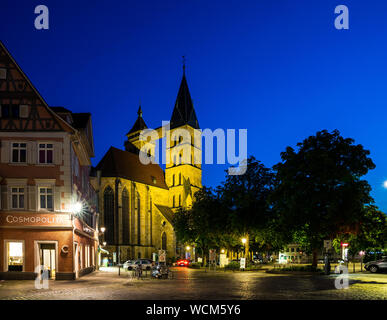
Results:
187 248
385 184
244 240
104 243
222 251
103 229
77 208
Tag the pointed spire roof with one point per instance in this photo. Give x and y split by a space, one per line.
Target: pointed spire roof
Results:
184 112
140 123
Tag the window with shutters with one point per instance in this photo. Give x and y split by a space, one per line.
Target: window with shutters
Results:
17 198
19 152
46 153
46 199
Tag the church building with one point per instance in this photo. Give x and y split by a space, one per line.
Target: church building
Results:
138 201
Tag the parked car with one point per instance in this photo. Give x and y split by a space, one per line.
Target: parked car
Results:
375 266
146 264
127 264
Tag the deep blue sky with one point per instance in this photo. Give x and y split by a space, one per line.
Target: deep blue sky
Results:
278 68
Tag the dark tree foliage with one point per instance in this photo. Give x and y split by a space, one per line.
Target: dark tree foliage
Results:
318 191
245 198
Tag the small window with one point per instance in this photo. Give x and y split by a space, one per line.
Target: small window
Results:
292 249
17 198
179 200
173 180
46 151
23 111
46 199
173 201
3 73
19 152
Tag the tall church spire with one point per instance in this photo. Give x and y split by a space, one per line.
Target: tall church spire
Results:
184 112
140 123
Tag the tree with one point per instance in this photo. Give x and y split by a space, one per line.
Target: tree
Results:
371 232
245 200
318 190
202 224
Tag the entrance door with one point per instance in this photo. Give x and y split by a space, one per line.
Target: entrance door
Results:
47 255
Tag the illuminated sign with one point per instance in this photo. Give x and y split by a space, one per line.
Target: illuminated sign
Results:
40 219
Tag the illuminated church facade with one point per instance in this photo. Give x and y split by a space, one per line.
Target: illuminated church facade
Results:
137 201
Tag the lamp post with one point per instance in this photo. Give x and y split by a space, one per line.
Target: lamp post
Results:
188 248
244 240
101 235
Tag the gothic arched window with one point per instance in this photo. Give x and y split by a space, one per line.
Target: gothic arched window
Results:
108 206
138 219
164 241
125 216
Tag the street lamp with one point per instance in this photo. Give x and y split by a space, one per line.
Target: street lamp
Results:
104 243
187 248
103 229
244 240
76 208
385 184
222 251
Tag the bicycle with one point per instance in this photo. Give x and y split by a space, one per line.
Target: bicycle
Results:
139 272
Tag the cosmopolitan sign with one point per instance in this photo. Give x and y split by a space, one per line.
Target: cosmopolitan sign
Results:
43 219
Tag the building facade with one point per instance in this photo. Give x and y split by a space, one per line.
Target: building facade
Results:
138 200
48 203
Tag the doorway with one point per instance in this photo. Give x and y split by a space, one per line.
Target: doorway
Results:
47 255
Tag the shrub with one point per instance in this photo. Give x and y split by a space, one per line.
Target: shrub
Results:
308 268
233 265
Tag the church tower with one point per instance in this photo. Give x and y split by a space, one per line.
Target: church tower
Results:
183 173
133 143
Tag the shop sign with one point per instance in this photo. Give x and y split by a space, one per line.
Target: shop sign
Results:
40 219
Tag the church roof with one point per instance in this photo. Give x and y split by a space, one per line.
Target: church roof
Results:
166 212
127 165
184 112
139 124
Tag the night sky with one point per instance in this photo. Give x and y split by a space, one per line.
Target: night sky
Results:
278 68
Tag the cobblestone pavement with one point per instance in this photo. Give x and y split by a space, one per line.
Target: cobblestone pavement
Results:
198 284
